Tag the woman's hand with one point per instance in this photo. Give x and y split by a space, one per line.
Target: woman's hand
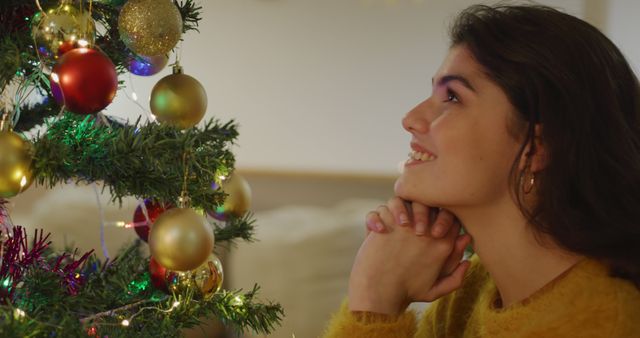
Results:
397 267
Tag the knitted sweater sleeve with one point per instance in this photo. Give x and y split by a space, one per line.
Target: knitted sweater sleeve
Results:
346 324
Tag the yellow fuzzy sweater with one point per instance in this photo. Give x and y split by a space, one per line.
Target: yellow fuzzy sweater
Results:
582 302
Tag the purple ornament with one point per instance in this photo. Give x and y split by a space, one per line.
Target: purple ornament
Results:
56 91
147 65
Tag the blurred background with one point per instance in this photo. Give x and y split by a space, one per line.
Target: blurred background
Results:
318 89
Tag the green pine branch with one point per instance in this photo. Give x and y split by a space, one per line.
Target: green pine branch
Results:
236 228
144 161
121 290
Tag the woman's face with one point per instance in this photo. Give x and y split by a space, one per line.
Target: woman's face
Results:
461 150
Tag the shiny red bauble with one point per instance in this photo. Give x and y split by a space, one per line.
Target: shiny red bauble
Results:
140 221
158 275
85 79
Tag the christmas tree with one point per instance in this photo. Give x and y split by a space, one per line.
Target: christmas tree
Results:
69 56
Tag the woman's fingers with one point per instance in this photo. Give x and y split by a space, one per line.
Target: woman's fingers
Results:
401 210
404 213
381 220
447 284
373 222
443 223
454 259
420 218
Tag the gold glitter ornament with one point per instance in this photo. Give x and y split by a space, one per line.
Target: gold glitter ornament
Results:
61 29
16 155
150 27
181 239
178 100
209 276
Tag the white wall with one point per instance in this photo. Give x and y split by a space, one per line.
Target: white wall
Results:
622 26
316 85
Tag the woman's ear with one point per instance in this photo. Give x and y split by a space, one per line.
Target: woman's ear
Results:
534 157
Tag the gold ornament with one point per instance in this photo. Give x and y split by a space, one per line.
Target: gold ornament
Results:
208 277
238 199
178 100
15 161
58 30
181 239
179 282
150 27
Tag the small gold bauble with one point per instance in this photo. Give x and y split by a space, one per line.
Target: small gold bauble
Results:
150 27
178 100
209 276
238 200
181 239
179 282
58 30
15 164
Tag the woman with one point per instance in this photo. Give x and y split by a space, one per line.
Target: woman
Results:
531 138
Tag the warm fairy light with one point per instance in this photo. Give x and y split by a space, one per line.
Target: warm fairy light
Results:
125 322
19 313
55 78
134 96
175 304
237 301
222 177
83 43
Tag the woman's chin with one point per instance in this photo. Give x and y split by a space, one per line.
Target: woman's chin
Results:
404 191
413 193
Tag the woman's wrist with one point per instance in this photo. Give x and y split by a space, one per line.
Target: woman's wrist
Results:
376 302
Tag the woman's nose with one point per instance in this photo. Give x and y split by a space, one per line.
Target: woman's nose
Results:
416 120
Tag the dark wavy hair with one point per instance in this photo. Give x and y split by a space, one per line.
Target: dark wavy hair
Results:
563 73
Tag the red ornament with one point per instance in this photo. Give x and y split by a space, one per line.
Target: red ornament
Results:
158 275
140 222
67 46
87 80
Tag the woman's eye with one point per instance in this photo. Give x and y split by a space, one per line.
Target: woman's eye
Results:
451 96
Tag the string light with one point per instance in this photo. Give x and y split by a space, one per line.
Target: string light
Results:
126 225
237 301
18 313
125 322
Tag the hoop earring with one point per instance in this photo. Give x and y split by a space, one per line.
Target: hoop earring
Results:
527 185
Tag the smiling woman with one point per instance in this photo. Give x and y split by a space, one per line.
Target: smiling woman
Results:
530 141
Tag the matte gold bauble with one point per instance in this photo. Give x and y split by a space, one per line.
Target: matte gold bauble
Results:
181 239
150 27
57 31
15 164
238 199
209 276
178 100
